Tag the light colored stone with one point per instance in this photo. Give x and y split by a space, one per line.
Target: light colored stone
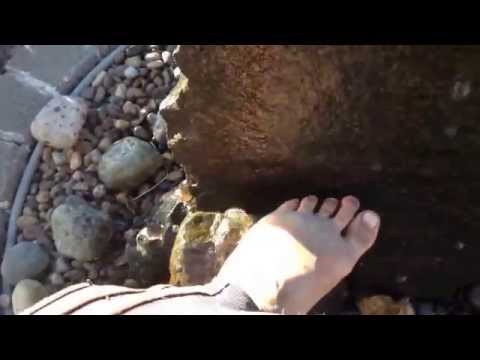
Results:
105 144
24 260
43 197
153 56
25 221
130 72
75 161
26 294
130 108
121 91
56 279
155 64
60 121
128 163
135 61
121 124
80 231
166 56
95 156
99 191
99 79
61 265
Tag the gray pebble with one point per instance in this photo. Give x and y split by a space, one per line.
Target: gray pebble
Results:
121 91
56 279
88 93
130 108
142 133
99 78
99 191
75 275
25 260
133 93
95 156
119 58
81 186
100 95
59 200
134 61
61 265
155 64
130 72
153 56
58 158
43 196
78 176
108 81
114 110
104 144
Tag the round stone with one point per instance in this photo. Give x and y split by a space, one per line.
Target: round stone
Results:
99 191
75 161
128 163
130 72
43 197
142 133
61 265
56 279
26 221
58 158
155 64
25 260
122 124
26 294
80 231
105 144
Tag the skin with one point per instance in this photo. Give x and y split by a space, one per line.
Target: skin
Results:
295 256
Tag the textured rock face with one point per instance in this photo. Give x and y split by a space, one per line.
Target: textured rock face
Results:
395 125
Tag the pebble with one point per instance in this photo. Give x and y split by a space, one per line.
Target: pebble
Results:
56 190
4 301
75 161
91 168
26 221
106 207
33 232
81 186
135 50
56 279
155 64
100 95
59 200
26 294
78 176
95 156
45 185
43 197
130 108
74 275
105 144
131 283
121 91
177 73
142 133
119 58
43 207
23 261
135 61
153 56
99 191
61 265
99 78
28 211
58 158
166 56
114 110
133 93
88 93
175 176
130 72
47 154
121 124
108 81
59 122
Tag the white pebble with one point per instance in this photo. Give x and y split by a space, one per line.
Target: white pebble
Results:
155 64
166 56
130 72
177 72
75 161
98 80
99 192
134 61
153 56
56 279
121 91
121 124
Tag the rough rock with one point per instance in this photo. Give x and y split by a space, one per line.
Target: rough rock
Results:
384 305
26 294
59 123
203 243
335 120
80 231
128 163
25 260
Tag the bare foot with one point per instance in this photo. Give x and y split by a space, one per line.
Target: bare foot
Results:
295 256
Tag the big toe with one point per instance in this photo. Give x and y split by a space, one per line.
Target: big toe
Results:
363 231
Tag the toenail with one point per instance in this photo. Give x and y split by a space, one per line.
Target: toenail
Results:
371 220
353 200
312 198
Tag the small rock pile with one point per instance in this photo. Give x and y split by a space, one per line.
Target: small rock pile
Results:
104 167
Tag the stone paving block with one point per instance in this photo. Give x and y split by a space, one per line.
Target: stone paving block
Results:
13 161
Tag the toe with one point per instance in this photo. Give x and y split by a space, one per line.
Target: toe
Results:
328 207
290 205
308 204
347 211
363 231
